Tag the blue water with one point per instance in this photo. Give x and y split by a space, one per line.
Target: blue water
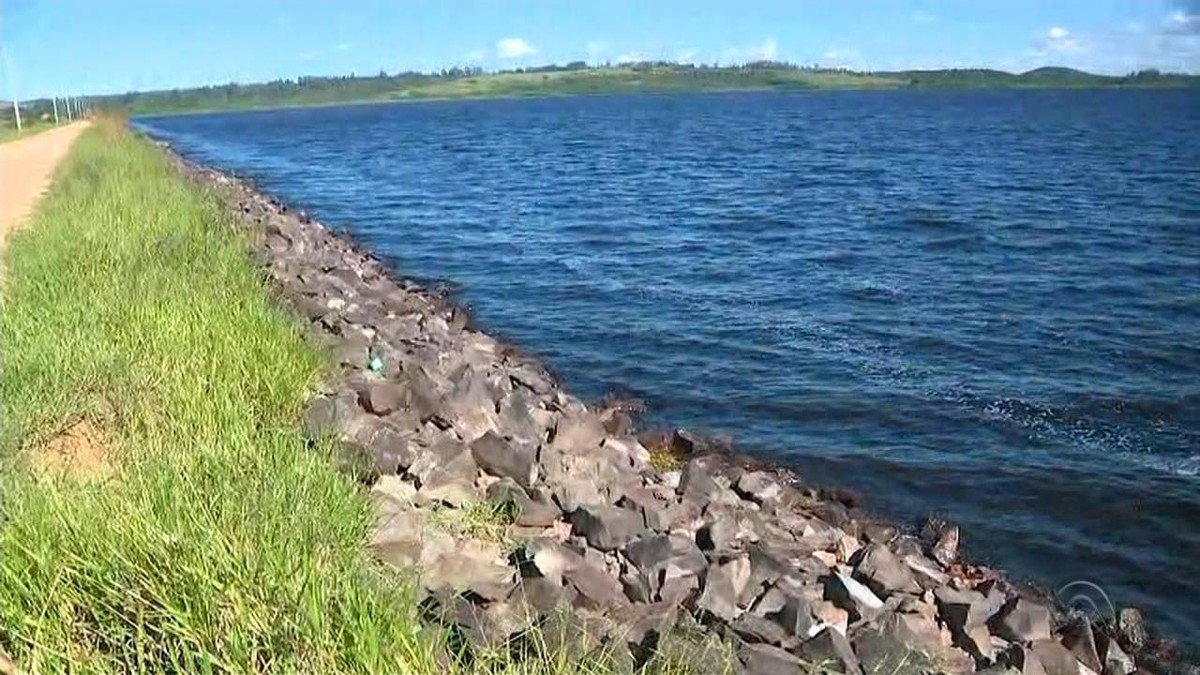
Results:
983 305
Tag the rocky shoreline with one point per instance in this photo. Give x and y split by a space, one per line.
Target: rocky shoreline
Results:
520 506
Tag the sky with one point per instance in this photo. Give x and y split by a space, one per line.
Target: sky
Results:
80 47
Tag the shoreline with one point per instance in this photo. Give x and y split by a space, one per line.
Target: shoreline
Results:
418 391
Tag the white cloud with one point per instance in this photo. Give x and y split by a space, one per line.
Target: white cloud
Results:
596 49
343 47
1184 22
767 51
514 48
841 57
1059 40
475 56
631 57
687 56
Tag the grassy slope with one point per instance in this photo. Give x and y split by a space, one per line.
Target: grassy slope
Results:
8 131
618 80
219 541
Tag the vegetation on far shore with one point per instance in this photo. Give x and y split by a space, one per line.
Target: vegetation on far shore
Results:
580 78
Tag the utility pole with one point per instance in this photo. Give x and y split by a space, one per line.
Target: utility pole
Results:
17 114
54 100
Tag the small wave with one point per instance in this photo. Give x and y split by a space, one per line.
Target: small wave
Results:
929 217
876 290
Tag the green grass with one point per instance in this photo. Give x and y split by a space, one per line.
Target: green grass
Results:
218 542
8 130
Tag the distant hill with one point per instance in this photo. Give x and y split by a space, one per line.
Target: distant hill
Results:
580 78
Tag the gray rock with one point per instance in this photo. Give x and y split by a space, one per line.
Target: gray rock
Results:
653 509
759 487
491 627
636 586
754 628
1022 621
507 491
537 514
551 559
697 484
852 596
607 528
645 623
925 571
328 415
884 573
467 565
529 376
1081 641
471 407
540 594
679 590
390 451
879 533
1024 661
765 659
942 538
506 460
1055 658
452 482
516 417
575 493
830 650
962 609
597 589
424 395
721 589
382 398
764 567
905 643
795 616
661 557
577 434
445 449
770 602
1116 661
398 536
1131 626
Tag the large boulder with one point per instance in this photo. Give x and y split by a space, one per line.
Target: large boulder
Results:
884 573
850 595
498 457
723 586
607 528
1022 621
832 651
382 398
765 659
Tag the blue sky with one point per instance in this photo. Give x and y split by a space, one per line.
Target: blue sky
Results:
85 46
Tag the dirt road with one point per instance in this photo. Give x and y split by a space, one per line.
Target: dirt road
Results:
26 166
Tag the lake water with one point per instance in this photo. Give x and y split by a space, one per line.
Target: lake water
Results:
984 305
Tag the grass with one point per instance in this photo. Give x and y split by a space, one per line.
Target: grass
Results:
9 132
218 542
